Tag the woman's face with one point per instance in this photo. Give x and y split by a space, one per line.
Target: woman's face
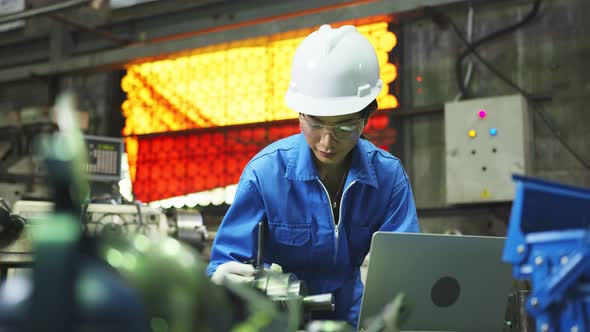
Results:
331 138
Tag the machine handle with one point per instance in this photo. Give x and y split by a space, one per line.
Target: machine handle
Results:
260 251
319 302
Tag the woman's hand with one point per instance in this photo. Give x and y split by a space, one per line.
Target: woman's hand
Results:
234 272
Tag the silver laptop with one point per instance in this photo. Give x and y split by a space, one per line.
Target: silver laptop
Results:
451 283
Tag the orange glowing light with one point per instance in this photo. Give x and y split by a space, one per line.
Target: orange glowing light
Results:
227 84
232 83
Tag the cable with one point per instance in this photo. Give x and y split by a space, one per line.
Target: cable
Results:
467 79
557 134
441 17
443 20
496 34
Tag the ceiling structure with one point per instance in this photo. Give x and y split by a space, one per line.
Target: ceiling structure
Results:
82 38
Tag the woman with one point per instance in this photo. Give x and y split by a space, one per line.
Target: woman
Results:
324 192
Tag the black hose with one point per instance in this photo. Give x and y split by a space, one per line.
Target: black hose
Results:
494 35
443 20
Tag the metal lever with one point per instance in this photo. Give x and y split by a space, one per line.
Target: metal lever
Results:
319 302
259 263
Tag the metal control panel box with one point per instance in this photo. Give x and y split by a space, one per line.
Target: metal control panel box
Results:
487 140
104 158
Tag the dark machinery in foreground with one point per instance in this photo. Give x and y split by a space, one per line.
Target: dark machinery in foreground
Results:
118 281
114 282
549 245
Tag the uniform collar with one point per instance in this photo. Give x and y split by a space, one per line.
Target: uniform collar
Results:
302 168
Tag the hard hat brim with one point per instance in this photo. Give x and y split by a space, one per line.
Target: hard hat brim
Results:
332 106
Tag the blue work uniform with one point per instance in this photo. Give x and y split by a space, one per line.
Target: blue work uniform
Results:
282 184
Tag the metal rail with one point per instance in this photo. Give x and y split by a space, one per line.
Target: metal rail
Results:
48 9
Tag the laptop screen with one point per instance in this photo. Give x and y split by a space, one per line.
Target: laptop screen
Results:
450 283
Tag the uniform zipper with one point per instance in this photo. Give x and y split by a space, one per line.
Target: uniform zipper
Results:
340 206
336 226
330 206
335 246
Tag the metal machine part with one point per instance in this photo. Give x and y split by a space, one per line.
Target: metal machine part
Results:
389 320
391 317
125 281
281 286
99 219
188 227
277 285
11 225
128 218
549 244
120 281
260 253
328 326
290 294
15 244
319 302
132 282
517 318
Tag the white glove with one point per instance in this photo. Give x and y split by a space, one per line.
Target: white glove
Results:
234 272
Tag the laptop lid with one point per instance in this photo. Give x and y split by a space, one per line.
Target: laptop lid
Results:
451 283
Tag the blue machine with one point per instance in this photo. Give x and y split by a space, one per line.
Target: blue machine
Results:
549 245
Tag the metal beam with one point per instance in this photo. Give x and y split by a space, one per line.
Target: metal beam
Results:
157 8
44 10
119 17
242 22
122 41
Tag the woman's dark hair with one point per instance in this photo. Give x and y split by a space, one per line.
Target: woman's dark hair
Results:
369 109
366 112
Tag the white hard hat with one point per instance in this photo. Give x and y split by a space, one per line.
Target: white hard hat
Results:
334 72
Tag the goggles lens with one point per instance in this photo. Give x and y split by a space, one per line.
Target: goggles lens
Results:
342 132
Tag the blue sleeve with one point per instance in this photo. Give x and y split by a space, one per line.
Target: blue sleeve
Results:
236 237
401 213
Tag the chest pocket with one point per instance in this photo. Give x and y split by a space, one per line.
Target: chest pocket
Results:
288 245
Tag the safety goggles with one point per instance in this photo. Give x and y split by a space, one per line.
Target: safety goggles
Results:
341 132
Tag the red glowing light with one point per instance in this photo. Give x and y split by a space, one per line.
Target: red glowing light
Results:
176 164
